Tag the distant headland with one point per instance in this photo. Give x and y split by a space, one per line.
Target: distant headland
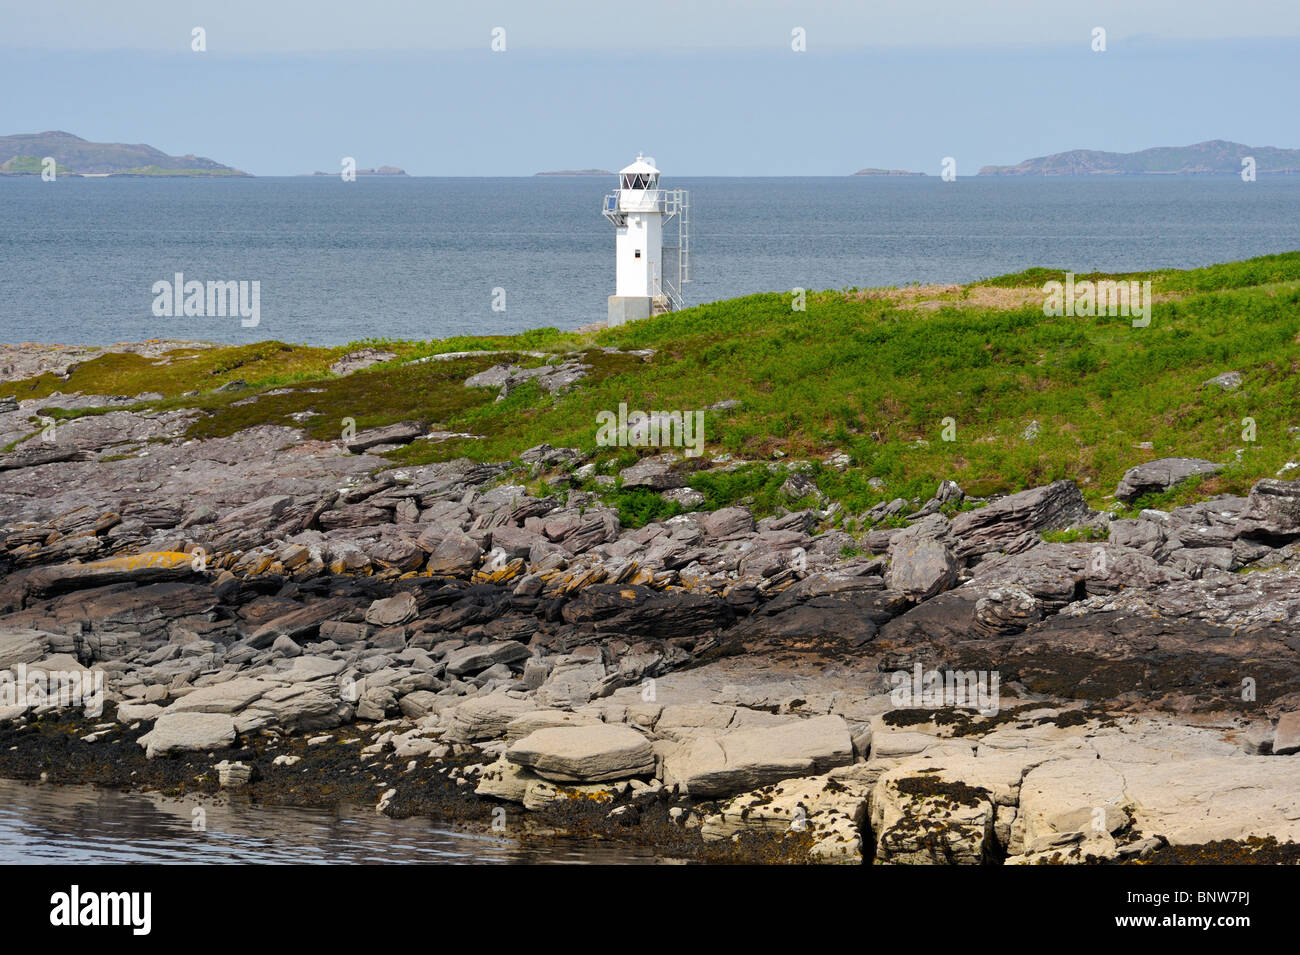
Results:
381 171
575 172
1215 157
887 172
24 154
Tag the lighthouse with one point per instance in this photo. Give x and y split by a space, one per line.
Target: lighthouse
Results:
648 276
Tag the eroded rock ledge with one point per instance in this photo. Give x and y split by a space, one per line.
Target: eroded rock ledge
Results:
734 672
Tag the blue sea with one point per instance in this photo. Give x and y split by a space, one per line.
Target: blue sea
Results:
420 258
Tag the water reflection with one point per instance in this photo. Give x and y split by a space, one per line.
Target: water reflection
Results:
81 825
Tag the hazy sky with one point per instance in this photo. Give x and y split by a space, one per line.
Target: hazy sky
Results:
707 88
660 26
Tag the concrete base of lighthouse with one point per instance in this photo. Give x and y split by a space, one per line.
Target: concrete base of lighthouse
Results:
628 308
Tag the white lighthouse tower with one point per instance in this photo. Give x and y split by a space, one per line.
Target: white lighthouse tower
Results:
639 209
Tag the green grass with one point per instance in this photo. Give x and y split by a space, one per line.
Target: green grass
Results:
30 165
159 171
865 375
1074 535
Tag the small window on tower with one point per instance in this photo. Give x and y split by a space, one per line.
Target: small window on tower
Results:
638 254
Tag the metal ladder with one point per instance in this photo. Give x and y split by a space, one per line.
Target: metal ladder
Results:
677 203
684 238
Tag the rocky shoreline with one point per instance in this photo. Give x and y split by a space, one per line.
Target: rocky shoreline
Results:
299 620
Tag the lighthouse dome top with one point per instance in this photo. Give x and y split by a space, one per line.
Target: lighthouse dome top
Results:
644 166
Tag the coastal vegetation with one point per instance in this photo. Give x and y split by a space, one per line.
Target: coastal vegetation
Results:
882 376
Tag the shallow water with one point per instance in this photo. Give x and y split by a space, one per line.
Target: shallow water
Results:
82 825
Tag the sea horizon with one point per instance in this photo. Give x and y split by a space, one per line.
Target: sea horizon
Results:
441 257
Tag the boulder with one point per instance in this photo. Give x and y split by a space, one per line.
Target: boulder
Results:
1286 738
653 473
572 681
514 541
1156 477
303 707
485 717
360 359
131 712
636 611
480 656
23 646
455 556
186 732
1227 381
522 726
228 697
260 514
728 522
922 570
1272 511
402 433
301 624
747 759
583 754
1039 509
418 704
840 608
393 611
578 532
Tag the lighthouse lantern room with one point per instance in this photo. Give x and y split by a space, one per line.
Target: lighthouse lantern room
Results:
648 276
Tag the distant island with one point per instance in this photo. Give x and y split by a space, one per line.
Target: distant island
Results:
381 171
886 172
1216 157
575 172
23 155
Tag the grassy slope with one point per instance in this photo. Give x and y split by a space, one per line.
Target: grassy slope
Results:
869 374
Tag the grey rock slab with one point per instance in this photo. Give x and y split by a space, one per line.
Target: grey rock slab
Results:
922 570
478 657
301 623
593 753
355 361
401 433
146 568
22 646
486 717
1228 381
1272 510
188 732
1155 477
1286 738
728 522
455 556
227 697
653 473
392 611
747 759
996 525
